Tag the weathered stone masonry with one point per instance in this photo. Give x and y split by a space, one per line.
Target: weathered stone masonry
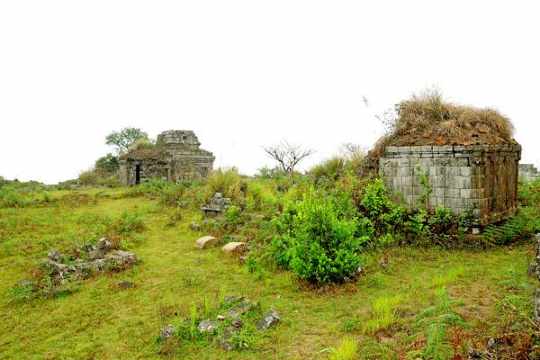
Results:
176 156
480 178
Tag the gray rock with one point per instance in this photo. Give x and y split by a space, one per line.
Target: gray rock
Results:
238 306
98 265
120 259
207 327
54 255
167 332
269 320
96 254
104 244
100 250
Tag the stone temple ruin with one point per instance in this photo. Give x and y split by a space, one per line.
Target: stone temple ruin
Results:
478 178
457 157
176 156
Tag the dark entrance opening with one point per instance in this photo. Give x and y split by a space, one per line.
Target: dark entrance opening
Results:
137 174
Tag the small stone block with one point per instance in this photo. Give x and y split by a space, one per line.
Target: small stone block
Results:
206 242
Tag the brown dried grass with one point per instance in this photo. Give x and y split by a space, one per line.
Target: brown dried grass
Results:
428 120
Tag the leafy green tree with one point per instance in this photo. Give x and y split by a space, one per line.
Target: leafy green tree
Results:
107 164
124 138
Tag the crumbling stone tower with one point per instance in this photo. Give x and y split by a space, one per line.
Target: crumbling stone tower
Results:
176 156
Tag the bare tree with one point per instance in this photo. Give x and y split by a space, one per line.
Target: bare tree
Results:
287 156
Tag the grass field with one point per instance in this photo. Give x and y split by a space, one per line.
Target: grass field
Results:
395 310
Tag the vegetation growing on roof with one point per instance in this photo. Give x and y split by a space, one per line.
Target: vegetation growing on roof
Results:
427 119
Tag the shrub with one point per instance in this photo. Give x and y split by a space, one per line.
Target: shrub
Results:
347 350
524 224
107 165
127 224
529 193
229 183
376 201
383 313
329 170
318 239
10 198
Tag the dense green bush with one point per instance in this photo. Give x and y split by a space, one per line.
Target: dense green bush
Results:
318 238
529 193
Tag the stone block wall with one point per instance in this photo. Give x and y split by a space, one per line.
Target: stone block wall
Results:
479 178
177 156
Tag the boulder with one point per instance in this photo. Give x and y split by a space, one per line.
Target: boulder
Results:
235 247
269 320
206 242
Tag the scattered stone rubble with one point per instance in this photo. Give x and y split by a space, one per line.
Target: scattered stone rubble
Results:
217 205
269 320
99 258
229 322
231 248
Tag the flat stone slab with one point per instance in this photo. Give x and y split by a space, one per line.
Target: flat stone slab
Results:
234 247
206 242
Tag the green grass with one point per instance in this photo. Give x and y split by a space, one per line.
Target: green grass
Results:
377 314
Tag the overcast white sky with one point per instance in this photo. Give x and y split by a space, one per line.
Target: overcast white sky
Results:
243 74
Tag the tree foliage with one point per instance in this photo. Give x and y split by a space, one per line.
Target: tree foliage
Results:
124 138
107 165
